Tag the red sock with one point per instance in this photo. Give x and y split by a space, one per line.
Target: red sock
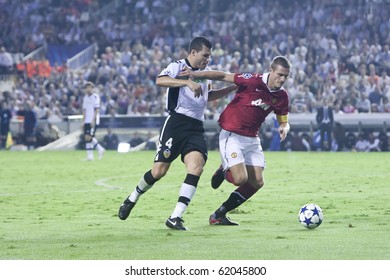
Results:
246 190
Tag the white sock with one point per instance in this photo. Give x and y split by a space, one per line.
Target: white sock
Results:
141 188
187 192
88 147
96 144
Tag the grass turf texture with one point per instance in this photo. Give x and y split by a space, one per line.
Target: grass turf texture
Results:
56 206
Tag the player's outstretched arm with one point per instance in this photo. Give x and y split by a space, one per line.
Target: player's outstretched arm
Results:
219 93
166 81
209 75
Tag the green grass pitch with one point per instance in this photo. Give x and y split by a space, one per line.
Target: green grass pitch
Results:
54 206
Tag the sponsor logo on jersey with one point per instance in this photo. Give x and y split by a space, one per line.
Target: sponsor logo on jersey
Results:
167 153
199 81
234 155
246 75
259 103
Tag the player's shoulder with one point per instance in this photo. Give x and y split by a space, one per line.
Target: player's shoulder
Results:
177 62
173 67
247 78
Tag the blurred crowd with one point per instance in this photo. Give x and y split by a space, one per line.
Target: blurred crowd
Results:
339 50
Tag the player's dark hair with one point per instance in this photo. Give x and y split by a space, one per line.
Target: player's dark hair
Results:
282 61
87 84
198 42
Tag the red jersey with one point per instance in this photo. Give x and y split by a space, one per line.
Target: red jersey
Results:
253 102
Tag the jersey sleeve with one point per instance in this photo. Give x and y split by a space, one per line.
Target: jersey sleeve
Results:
96 102
246 79
282 109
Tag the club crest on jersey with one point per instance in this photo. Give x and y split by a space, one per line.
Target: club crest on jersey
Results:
234 155
167 153
246 75
259 103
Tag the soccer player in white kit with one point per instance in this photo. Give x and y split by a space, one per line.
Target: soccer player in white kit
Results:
91 119
183 131
239 144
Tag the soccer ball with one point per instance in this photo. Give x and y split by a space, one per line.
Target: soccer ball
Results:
310 215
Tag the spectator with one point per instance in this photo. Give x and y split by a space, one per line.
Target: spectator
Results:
350 141
6 62
5 120
298 143
385 106
136 140
363 104
374 142
298 104
324 118
53 132
339 136
47 135
348 108
362 144
150 144
383 141
29 125
375 96
110 140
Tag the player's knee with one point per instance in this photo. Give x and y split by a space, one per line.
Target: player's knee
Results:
258 184
240 179
194 167
158 174
159 171
195 170
87 138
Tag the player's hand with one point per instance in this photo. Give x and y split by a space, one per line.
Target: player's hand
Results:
195 87
186 73
283 129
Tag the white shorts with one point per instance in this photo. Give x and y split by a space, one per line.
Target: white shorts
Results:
235 149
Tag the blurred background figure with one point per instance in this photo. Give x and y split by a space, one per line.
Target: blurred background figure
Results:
5 119
362 144
150 144
324 120
110 140
29 125
6 62
136 140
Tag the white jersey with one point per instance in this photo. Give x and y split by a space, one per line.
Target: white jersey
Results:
181 99
90 103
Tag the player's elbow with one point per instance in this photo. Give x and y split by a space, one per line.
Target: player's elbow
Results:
159 82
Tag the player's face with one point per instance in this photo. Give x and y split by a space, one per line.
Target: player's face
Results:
202 58
278 77
89 89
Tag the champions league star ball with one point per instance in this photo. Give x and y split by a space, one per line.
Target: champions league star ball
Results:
310 215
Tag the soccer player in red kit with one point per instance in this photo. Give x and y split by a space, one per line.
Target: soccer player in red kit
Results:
239 144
